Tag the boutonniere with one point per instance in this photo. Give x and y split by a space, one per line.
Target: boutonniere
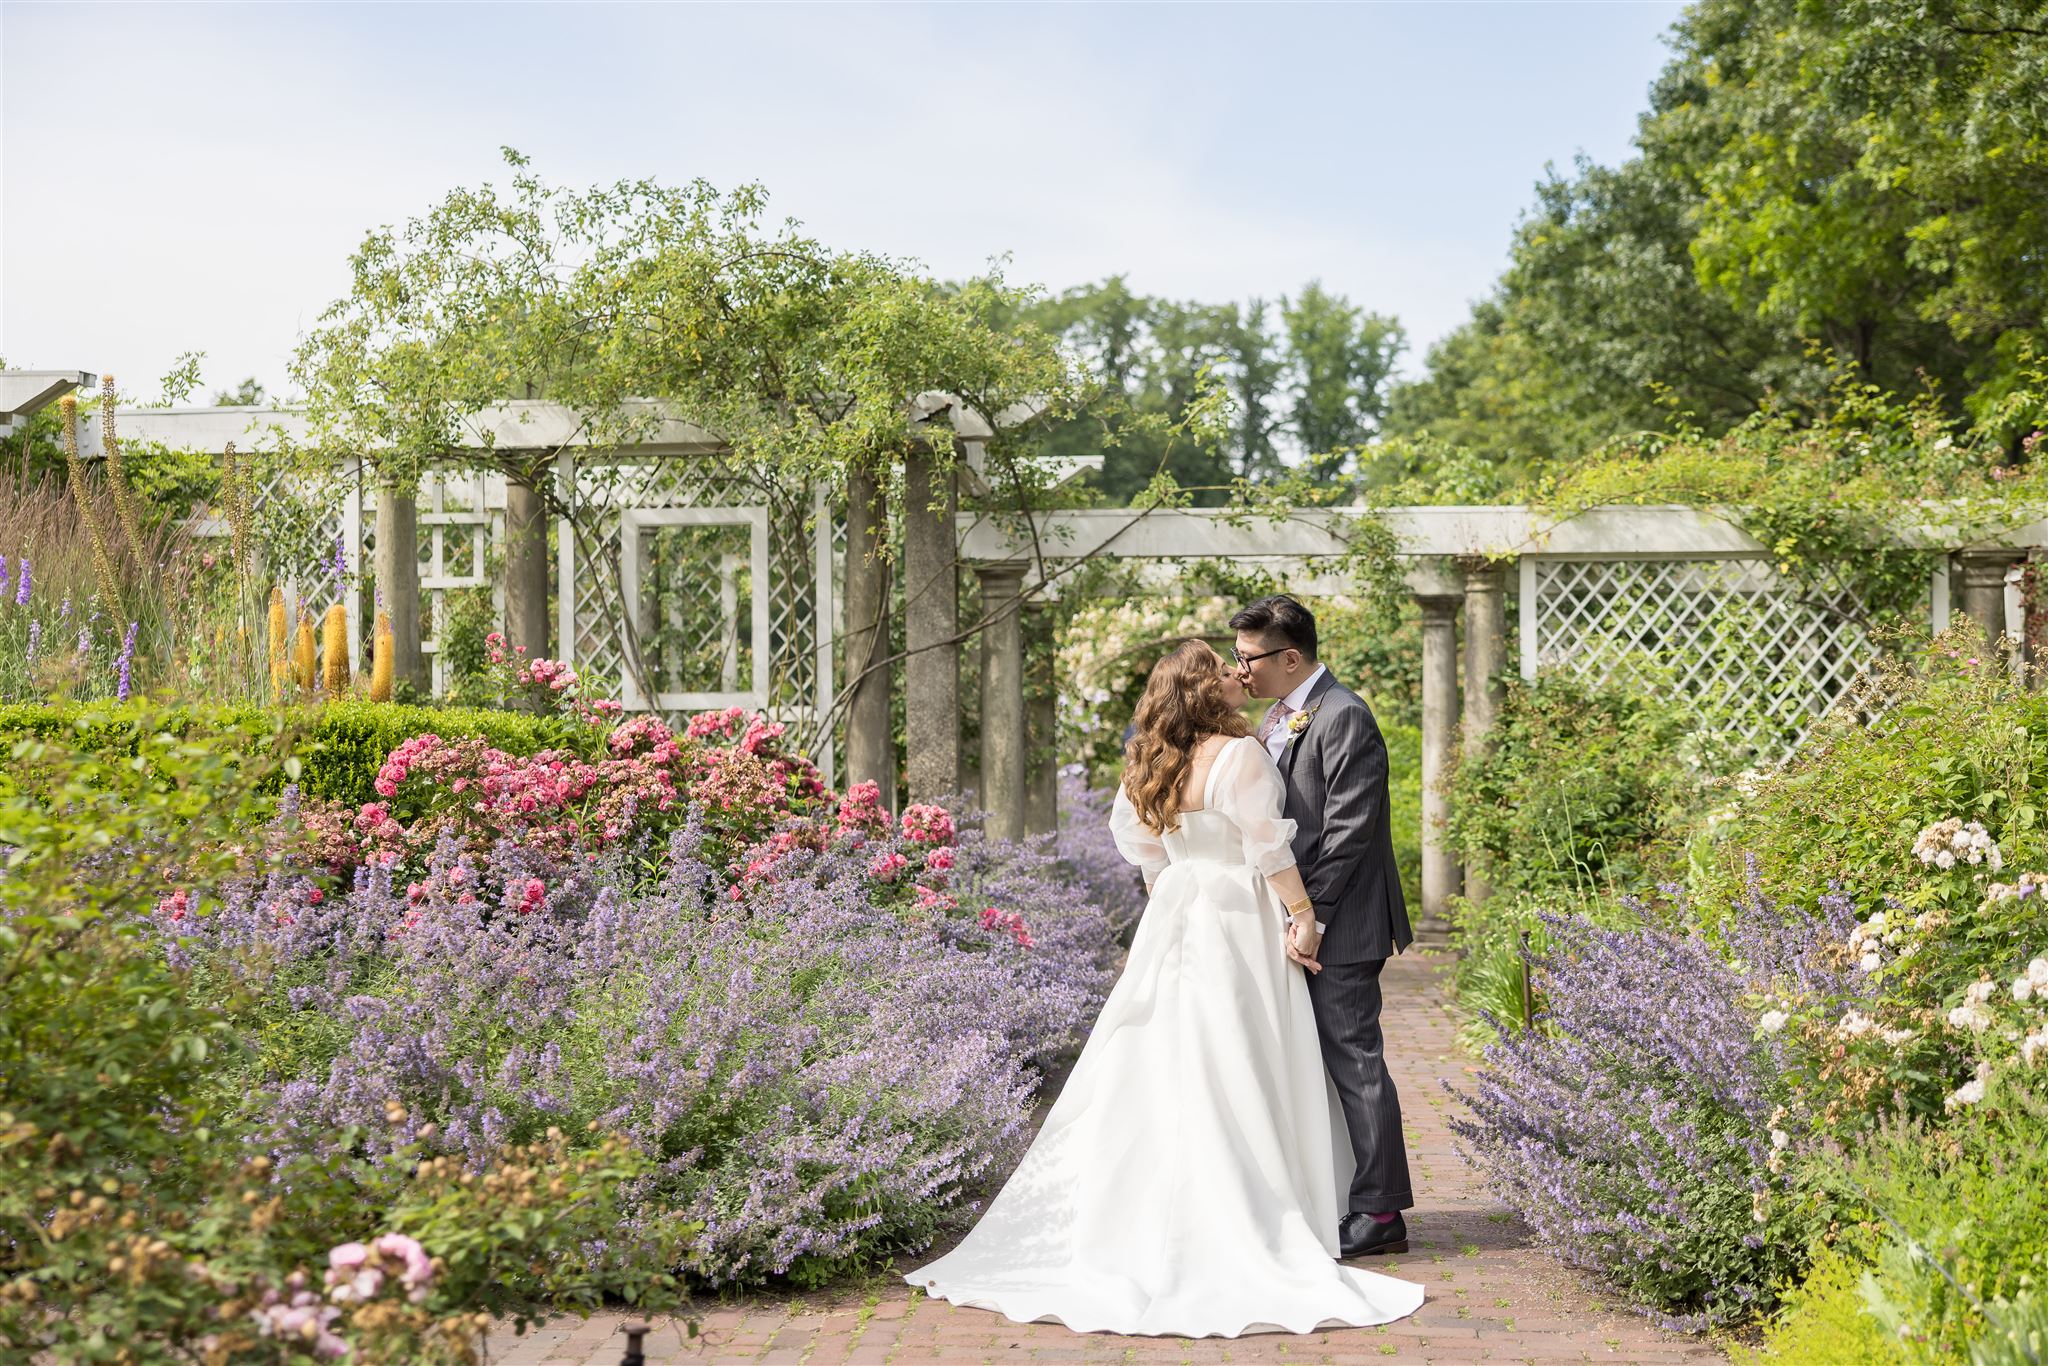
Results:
1298 722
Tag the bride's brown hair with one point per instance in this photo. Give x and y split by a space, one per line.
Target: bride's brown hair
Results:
1183 702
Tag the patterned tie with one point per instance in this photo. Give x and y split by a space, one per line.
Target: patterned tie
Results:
1279 712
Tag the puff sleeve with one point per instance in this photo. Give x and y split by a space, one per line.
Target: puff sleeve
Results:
1137 843
1249 791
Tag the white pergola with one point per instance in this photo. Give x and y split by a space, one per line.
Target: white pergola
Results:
1592 592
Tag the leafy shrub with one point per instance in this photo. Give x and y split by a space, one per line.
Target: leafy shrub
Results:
1942 1241
1956 738
1583 787
340 745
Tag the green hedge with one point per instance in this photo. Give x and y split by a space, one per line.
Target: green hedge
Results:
340 746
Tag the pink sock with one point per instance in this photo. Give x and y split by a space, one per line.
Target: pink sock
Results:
1386 1218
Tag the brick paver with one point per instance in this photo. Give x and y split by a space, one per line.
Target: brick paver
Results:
1493 1297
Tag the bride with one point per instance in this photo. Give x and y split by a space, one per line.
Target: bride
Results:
1187 1180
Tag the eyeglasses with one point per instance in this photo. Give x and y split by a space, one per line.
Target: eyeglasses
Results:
1246 661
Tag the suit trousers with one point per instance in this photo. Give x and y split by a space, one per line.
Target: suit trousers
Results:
1346 997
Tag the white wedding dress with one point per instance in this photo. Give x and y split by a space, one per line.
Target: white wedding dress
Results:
1187 1181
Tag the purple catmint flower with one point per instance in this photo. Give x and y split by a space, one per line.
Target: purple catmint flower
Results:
341 558
124 663
819 1076
1632 1127
3 575
64 612
21 592
35 639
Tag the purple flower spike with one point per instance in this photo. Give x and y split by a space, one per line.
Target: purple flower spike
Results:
124 663
3 575
35 638
21 593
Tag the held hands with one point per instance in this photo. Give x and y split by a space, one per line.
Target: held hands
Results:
1302 941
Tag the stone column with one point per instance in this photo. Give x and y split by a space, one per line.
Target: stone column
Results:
1002 698
1982 580
1440 872
1486 656
398 578
526 565
1041 722
931 625
870 747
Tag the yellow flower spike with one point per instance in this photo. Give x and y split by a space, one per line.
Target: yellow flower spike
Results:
305 655
280 646
380 663
334 651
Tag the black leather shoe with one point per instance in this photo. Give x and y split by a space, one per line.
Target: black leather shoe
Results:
1361 1235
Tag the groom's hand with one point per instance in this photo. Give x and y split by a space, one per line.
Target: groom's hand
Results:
1302 945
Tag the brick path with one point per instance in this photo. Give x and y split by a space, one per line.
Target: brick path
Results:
1492 1296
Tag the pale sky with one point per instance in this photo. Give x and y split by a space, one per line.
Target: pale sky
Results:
193 177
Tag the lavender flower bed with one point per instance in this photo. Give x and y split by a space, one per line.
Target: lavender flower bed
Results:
824 1061
1638 1128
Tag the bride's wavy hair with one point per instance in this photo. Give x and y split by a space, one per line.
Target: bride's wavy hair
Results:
1183 702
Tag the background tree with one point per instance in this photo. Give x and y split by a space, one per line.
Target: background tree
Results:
1854 185
1341 358
1318 383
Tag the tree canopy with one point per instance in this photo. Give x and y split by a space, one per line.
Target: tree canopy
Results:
1858 185
797 354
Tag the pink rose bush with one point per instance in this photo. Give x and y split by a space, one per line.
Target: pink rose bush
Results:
565 805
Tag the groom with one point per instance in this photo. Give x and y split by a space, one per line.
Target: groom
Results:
1334 763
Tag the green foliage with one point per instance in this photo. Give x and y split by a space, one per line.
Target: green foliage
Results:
1942 1242
1830 492
1853 183
1959 739
1582 788
336 748
801 358
1316 383
1824 1318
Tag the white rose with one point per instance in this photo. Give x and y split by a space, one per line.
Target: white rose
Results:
1969 1093
1780 1139
1772 1021
1979 991
1974 1018
1871 962
1996 859
1944 860
2022 990
2037 973
1877 922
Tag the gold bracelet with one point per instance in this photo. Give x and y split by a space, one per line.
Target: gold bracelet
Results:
1295 908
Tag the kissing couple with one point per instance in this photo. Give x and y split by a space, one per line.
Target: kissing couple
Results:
1229 1135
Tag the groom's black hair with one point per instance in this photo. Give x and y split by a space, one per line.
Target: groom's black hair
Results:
1280 618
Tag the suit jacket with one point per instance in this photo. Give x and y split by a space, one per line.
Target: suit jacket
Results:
1335 770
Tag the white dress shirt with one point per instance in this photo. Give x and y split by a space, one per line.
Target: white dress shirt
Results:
1276 743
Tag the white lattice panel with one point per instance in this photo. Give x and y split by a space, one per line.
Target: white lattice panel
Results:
713 620
1757 657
